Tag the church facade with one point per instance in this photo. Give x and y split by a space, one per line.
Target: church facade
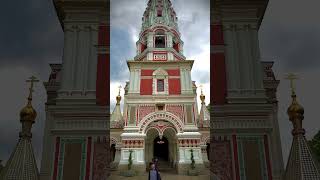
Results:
160 113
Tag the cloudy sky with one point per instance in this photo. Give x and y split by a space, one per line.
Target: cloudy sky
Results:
31 38
125 28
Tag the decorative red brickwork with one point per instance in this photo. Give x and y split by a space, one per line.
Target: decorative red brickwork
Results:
146 72
100 159
173 72
145 110
133 143
189 142
222 159
176 110
146 87
174 86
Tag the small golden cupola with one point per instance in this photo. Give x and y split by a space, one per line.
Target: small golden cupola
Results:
118 98
295 110
202 96
28 114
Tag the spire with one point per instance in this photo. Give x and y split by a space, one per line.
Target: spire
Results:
301 164
159 32
159 12
204 117
116 116
22 164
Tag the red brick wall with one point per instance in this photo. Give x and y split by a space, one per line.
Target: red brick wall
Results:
174 86
146 87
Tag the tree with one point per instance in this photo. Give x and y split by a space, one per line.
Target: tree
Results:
192 160
208 107
130 160
314 145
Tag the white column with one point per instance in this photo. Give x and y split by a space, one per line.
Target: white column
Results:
233 75
169 40
93 60
131 81
189 81
80 61
257 63
183 88
136 80
150 40
67 68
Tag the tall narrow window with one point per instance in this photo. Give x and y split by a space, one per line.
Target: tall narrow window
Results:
160 42
160 85
159 13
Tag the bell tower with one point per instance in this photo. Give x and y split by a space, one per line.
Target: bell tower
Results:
160 97
75 142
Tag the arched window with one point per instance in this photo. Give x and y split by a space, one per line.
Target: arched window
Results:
160 85
160 40
160 81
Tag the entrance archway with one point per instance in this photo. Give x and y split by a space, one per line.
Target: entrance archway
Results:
168 150
161 148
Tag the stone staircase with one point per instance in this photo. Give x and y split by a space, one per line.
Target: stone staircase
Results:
164 166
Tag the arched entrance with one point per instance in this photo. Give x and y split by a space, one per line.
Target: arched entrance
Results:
161 148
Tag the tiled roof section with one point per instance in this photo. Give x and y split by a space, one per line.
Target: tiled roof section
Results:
204 116
22 164
301 165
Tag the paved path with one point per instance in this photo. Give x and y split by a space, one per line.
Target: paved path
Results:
164 176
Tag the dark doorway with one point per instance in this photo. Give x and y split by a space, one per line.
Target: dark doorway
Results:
161 148
113 152
208 151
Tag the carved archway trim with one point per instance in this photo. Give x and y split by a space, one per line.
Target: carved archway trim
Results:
161 115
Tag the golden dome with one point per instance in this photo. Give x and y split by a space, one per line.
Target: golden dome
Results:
28 113
202 97
118 99
295 109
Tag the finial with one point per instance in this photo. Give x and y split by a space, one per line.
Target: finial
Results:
28 114
202 96
119 87
118 98
201 86
32 80
291 77
295 110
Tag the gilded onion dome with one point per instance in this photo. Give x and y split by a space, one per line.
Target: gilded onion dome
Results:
295 110
28 113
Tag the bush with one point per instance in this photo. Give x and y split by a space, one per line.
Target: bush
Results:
193 166
130 160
